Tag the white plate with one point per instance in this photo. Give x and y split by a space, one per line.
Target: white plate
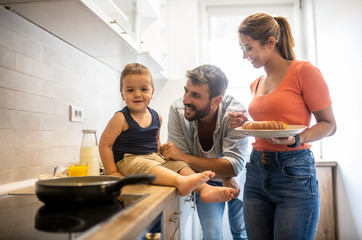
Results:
290 131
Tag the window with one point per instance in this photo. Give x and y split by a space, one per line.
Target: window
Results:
220 44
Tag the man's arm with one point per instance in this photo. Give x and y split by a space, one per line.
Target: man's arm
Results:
221 166
180 147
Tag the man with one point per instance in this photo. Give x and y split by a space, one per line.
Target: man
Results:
199 133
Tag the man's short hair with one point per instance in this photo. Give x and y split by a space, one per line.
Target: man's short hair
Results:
211 75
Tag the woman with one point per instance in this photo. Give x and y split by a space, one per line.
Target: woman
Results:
281 198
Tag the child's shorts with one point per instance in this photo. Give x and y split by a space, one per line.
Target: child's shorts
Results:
142 164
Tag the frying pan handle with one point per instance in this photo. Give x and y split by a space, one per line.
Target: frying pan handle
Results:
135 179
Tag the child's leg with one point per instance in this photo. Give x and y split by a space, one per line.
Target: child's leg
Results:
184 184
210 193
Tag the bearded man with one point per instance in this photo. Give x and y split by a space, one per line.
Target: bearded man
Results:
199 133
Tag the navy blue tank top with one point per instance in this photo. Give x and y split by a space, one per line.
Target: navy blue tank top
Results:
136 140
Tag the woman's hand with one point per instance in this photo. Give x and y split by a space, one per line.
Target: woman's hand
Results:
282 140
325 126
237 119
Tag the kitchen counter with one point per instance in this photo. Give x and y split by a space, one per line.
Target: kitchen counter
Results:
130 223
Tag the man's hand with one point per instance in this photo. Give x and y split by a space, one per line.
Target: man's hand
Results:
237 119
231 182
170 152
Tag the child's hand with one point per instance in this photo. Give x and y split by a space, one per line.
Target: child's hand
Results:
237 119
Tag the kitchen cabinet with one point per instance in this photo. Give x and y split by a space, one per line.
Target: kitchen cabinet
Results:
326 226
190 225
154 39
171 219
122 16
115 32
186 206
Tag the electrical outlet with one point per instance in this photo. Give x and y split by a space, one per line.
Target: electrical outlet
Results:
76 113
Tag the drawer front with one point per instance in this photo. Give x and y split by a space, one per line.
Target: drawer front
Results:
171 218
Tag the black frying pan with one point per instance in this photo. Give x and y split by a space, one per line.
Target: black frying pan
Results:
90 189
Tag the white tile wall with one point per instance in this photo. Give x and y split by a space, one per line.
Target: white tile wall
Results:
40 76
6 139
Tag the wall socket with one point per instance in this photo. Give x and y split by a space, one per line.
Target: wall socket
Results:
76 113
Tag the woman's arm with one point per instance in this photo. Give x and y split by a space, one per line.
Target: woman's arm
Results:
113 129
325 126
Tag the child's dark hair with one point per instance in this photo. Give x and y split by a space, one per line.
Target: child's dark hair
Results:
135 69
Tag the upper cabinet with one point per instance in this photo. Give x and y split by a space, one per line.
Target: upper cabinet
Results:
123 16
116 32
154 40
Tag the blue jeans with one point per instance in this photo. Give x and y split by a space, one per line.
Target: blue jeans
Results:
211 216
281 197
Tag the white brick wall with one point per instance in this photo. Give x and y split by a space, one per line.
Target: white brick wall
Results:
40 76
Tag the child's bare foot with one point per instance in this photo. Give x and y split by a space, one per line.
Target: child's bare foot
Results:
216 194
188 183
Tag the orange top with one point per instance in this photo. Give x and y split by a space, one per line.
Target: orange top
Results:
302 91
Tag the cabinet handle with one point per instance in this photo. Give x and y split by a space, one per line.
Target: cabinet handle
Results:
194 200
190 197
174 219
115 22
177 213
153 236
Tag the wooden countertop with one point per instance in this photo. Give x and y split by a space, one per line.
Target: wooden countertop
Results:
129 223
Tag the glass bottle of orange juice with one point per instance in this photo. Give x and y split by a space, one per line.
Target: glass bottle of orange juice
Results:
89 151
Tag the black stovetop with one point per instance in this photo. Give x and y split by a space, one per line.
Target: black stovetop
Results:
23 216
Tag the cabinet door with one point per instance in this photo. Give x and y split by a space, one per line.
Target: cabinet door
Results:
177 235
122 16
190 226
326 225
171 218
186 226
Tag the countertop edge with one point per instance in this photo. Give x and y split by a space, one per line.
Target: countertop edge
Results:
326 164
131 222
